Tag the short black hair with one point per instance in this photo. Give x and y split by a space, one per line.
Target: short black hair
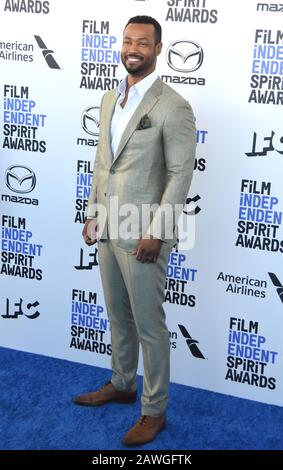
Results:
144 19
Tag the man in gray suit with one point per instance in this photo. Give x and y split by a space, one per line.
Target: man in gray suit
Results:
145 159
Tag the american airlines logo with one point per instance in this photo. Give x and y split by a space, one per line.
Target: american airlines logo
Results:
47 54
277 284
191 343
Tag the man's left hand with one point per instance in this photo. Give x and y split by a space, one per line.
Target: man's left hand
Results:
147 250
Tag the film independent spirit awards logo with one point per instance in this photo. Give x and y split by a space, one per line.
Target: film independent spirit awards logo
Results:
20 179
184 56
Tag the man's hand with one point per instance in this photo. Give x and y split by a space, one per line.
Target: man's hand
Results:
148 249
89 232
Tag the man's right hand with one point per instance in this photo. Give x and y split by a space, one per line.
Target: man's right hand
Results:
89 232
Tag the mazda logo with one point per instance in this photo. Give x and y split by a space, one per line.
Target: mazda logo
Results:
20 179
90 120
184 56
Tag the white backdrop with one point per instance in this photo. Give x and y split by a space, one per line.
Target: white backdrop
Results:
224 309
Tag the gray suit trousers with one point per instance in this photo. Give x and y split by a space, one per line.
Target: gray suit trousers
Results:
134 294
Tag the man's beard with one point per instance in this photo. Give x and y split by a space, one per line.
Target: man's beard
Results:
133 69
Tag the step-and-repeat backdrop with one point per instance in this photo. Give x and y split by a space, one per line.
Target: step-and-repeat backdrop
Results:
224 296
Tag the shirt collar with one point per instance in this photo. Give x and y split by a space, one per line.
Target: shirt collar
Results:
140 87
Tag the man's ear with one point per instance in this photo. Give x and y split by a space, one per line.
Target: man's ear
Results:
158 48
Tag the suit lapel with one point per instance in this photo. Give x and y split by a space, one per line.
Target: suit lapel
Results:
109 110
148 102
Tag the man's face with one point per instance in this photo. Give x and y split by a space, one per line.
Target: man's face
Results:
139 51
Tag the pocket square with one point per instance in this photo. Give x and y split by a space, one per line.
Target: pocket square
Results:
144 123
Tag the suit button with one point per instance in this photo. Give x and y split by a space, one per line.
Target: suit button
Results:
112 171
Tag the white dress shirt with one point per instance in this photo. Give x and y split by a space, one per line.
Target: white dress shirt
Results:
122 116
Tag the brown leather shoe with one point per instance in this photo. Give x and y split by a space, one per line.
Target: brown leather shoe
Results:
106 394
145 430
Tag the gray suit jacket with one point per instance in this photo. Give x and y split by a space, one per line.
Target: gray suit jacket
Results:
152 166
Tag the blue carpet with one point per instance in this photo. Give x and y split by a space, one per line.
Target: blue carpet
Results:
36 412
